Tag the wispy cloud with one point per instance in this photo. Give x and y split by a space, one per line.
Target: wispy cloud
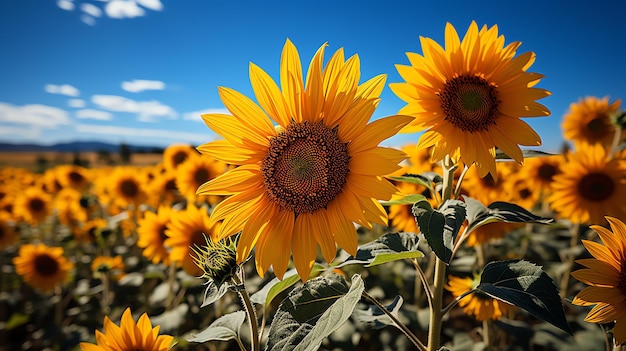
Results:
146 110
94 114
66 5
111 8
76 103
139 85
36 115
160 134
64 89
195 115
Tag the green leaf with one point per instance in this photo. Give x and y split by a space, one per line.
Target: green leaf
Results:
374 317
526 285
275 286
387 245
407 200
440 227
479 214
313 311
222 329
390 257
500 155
426 179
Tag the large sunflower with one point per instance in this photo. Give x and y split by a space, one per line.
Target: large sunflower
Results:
303 182
42 267
589 121
140 336
606 275
480 305
590 186
470 96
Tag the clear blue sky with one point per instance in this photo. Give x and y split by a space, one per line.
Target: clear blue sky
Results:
69 68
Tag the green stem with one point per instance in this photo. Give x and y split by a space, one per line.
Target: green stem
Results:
395 320
249 307
436 313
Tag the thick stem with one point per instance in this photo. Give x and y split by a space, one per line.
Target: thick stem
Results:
250 311
395 320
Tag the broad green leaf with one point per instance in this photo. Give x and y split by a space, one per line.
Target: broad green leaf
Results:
479 214
375 318
526 285
390 257
501 156
407 200
222 329
312 311
387 244
275 286
440 227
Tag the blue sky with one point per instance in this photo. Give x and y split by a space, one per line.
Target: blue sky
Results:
140 71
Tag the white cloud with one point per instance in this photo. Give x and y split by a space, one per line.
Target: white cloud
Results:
66 5
139 85
20 133
76 103
94 114
91 9
182 137
35 115
146 110
123 9
64 89
151 4
88 20
195 115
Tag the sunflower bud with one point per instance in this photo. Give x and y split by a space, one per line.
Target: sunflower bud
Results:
217 260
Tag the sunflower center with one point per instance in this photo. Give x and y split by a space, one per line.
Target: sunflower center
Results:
46 265
306 167
170 185
598 126
596 187
546 172
76 177
470 103
129 188
621 284
201 175
36 205
179 158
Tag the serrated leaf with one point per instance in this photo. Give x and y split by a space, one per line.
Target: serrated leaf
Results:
440 227
312 311
407 200
390 257
499 211
390 243
375 318
222 329
526 285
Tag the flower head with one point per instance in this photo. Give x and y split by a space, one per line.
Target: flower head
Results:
42 267
589 121
302 183
217 260
140 336
470 96
606 276
480 305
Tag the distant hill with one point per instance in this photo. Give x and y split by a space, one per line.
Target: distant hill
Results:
77 146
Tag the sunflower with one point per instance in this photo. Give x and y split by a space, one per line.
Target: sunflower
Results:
401 216
71 176
520 191
91 230
303 182
42 267
129 336
471 96
188 228
162 190
104 264
32 205
606 275
126 186
488 188
539 172
152 236
67 203
589 121
491 231
590 186
195 171
480 305
174 155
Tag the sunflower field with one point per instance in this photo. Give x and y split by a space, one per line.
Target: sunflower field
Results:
296 230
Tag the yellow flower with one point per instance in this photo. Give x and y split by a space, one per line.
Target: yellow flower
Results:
606 275
71 176
188 228
126 186
590 186
539 172
481 306
195 171
42 267
302 184
102 264
589 121
491 231
129 335
470 96
174 155
488 188
32 205
152 236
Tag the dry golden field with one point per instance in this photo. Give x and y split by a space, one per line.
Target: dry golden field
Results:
37 161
